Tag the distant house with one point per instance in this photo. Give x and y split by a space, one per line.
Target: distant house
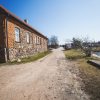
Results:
68 46
92 44
17 38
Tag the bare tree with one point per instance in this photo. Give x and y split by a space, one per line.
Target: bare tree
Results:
87 48
53 42
83 44
77 43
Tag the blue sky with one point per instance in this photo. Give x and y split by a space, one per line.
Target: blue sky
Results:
64 18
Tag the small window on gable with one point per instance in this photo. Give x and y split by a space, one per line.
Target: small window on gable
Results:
27 37
17 34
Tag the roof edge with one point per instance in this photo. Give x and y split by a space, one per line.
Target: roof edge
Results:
20 20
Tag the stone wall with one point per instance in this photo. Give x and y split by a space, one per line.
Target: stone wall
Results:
22 48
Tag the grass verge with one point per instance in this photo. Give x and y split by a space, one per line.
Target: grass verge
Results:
33 58
89 74
74 54
29 59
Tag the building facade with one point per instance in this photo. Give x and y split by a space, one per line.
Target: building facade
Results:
17 38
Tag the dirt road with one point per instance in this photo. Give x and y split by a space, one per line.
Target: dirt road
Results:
50 78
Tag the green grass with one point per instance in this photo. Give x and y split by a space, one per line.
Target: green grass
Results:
89 74
96 49
33 58
74 54
28 59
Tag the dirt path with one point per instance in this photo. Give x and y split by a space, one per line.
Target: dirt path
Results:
50 78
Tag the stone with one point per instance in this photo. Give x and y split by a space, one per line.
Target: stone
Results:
18 60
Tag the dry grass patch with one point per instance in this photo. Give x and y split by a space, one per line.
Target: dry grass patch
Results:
89 74
28 59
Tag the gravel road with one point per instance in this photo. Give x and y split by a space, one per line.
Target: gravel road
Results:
50 78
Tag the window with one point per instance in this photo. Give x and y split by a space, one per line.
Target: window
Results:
17 34
31 39
27 37
35 39
38 41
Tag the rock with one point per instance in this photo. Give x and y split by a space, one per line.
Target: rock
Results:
18 60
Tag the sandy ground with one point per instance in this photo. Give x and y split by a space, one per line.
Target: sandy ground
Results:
50 78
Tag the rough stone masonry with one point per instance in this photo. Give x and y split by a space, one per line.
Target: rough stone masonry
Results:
30 41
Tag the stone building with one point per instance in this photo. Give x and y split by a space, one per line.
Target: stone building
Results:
17 38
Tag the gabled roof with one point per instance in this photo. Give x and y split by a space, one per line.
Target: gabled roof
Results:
8 13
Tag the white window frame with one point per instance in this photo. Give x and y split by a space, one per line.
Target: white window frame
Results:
27 37
17 34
